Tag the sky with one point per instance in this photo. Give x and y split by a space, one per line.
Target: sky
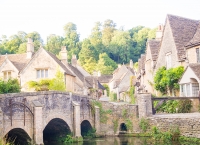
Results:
49 16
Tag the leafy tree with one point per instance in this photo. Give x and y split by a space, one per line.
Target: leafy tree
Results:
37 40
10 86
41 85
108 31
71 39
87 56
105 64
54 43
167 80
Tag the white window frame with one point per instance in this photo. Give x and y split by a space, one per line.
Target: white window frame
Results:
42 73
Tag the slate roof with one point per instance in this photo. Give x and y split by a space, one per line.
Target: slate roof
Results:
183 30
18 60
154 46
195 40
196 68
105 78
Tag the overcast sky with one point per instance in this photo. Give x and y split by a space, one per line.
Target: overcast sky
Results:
49 16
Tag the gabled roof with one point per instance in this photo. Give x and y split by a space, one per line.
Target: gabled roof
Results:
196 69
154 46
195 40
183 30
67 71
18 60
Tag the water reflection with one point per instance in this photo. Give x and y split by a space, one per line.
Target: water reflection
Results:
115 141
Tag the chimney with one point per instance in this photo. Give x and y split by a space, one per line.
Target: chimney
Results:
159 32
119 65
30 48
63 54
131 64
74 60
99 74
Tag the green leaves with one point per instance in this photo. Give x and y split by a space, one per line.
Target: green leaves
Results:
10 86
167 80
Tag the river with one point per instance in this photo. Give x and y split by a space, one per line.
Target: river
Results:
115 141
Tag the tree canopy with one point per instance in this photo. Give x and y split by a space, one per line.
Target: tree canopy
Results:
119 45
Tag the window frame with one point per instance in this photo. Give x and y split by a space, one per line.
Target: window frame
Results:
42 73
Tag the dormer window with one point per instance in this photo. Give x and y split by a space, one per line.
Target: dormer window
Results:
42 73
198 55
168 60
6 75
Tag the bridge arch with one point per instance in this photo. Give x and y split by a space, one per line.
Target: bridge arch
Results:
56 128
123 127
86 128
17 136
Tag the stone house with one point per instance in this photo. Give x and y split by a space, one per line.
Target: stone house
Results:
120 82
170 47
33 66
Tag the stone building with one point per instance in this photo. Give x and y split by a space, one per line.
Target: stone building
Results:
120 82
176 44
33 66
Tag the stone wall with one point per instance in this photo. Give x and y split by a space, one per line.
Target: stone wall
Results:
188 124
120 114
1 123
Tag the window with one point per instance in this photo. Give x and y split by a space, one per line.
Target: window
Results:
42 73
195 89
198 55
168 60
7 75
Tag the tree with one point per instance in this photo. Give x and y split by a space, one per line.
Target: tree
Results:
71 39
37 40
108 32
105 64
10 86
54 43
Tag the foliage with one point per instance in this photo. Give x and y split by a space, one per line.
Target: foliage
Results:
132 90
68 138
167 80
113 96
90 134
41 85
103 113
129 124
58 83
10 86
143 124
171 106
107 89
105 64
184 106
189 140
115 124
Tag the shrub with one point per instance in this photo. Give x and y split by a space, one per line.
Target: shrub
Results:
10 86
143 124
184 106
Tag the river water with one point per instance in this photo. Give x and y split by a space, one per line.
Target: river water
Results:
116 141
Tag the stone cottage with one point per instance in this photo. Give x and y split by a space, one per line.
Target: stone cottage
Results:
172 47
33 66
120 83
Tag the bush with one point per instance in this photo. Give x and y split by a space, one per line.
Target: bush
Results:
144 124
10 86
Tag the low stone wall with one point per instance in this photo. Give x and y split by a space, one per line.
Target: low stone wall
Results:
188 123
120 114
1 123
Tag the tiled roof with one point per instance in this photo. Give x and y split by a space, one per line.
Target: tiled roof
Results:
195 40
105 78
196 68
61 64
183 30
154 46
18 60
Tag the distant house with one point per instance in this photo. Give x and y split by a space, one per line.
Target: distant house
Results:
33 66
120 83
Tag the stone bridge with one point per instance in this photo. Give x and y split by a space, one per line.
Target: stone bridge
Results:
36 114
